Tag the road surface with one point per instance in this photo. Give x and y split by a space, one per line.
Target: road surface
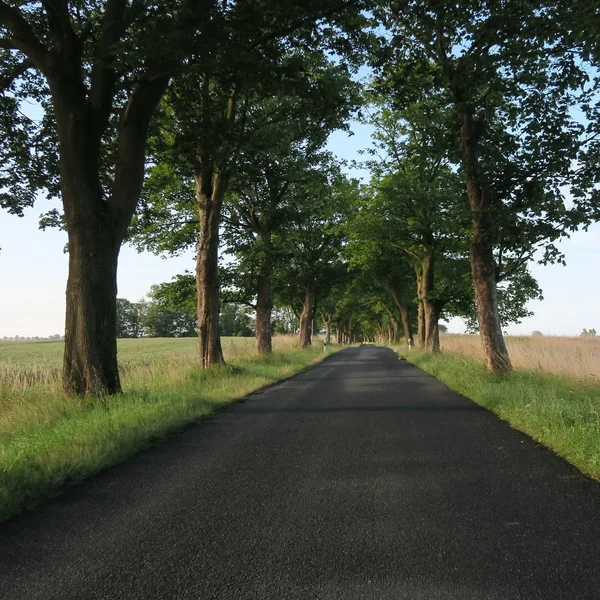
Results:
363 478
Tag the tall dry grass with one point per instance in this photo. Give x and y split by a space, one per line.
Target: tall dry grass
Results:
30 373
32 365
574 357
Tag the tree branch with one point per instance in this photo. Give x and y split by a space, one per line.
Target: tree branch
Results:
24 37
7 78
103 78
61 27
133 132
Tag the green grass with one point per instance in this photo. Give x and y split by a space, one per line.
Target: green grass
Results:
559 411
48 441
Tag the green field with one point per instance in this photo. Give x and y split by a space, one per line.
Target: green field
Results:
47 441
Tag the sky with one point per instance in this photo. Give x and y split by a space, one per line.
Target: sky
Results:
33 272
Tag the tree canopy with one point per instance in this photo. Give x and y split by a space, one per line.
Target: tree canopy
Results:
205 125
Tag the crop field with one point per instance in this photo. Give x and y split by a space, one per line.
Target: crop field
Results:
575 357
24 364
47 440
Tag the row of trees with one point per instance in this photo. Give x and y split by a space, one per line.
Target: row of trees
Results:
53 337
215 138
156 318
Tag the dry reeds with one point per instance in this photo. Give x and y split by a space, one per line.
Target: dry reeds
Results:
576 357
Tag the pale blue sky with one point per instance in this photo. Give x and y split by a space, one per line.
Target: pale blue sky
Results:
33 272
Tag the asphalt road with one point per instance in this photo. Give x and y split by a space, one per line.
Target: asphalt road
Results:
363 478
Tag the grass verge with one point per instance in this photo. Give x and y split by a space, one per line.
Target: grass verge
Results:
559 411
50 442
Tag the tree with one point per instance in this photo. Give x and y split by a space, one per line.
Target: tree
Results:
264 203
218 108
509 81
419 200
283 320
235 320
177 295
128 319
311 244
371 251
98 72
159 322
168 312
97 75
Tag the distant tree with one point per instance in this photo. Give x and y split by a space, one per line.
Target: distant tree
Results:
167 314
172 309
157 321
537 334
177 295
236 320
283 320
128 319
588 333
311 244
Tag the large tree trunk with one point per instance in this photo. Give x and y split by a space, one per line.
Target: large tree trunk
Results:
327 319
395 330
483 266
408 335
406 326
96 224
210 190
307 315
430 312
483 270
432 316
421 331
90 355
264 306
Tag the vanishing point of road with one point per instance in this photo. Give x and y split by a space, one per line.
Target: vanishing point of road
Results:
363 478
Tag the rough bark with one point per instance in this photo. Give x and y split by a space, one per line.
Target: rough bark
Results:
432 343
420 310
307 315
210 190
327 319
406 326
483 266
90 355
264 306
395 330
430 309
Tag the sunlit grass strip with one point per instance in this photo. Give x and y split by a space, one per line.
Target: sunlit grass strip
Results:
39 456
559 411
